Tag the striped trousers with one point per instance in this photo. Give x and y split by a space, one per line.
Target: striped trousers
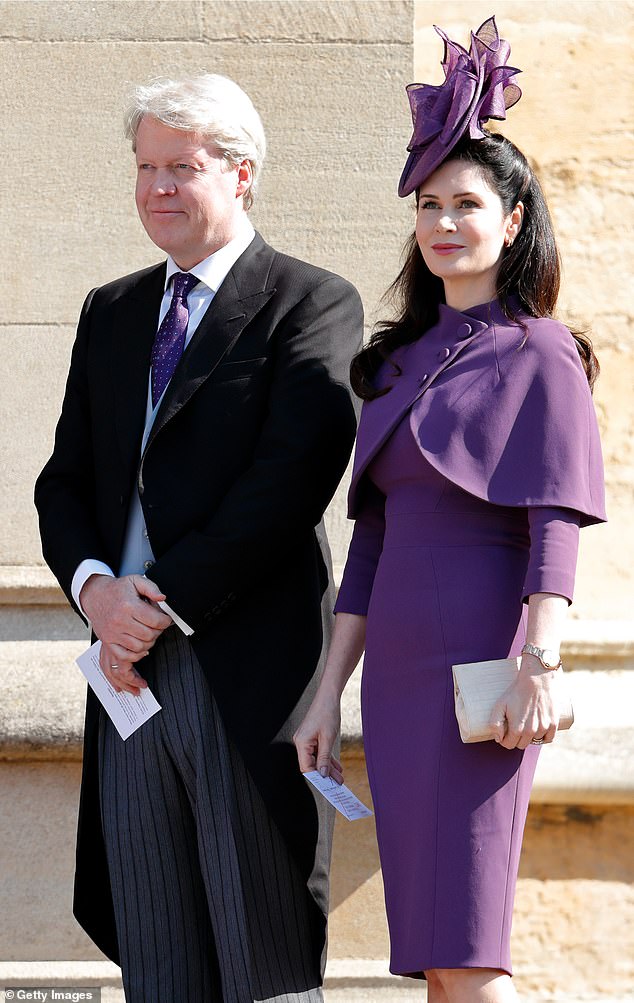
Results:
209 905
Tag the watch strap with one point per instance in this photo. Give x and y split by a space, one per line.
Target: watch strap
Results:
532 649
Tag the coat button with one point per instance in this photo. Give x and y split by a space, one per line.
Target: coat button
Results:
464 331
148 564
443 354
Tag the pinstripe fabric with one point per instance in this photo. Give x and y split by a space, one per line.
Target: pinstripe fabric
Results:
209 906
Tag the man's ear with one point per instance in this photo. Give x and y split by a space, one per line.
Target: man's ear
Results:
245 178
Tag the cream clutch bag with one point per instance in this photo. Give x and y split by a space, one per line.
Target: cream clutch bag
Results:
479 685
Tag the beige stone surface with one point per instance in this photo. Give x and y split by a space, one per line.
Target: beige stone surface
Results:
37 858
36 360
292 21
574 918
357 927
41 622
255 21
28 584
43 695
117 20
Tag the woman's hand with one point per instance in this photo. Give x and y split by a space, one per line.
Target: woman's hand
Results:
528 710
316 736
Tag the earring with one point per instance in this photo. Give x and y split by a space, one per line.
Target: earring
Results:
508 241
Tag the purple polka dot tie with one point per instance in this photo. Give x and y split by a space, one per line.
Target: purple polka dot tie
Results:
170 337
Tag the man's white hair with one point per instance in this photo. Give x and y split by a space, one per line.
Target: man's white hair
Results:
211 106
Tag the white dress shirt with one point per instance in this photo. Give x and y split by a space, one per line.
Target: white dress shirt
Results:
137 556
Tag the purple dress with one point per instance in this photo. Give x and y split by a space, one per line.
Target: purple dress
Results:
442 574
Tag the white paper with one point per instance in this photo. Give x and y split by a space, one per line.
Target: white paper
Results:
339 795
126 712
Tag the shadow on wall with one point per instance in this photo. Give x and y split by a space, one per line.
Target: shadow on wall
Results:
579 841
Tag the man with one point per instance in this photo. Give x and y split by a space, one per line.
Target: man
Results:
205 426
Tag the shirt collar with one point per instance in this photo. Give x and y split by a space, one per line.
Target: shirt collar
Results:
214 269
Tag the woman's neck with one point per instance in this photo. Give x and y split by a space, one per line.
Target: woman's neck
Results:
463 295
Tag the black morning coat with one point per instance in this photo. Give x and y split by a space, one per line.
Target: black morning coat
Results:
250 441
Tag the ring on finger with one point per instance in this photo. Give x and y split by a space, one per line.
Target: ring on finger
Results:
537 741
115 668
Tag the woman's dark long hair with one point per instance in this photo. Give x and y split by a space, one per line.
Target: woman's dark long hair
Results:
529 269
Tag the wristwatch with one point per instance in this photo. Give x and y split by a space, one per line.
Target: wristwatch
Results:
547 656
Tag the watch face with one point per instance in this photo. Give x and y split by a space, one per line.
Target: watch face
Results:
550 657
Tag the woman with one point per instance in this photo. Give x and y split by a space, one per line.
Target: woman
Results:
477 461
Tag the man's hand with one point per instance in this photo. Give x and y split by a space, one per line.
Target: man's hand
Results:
120 675
124 616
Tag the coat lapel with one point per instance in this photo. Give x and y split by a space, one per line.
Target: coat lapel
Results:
240 297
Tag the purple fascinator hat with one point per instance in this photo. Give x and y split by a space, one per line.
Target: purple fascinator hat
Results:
477 87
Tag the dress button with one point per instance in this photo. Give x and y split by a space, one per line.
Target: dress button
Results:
145 536
148 564
443 354
464 331
422 379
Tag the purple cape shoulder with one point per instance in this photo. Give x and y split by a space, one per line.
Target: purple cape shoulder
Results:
507 415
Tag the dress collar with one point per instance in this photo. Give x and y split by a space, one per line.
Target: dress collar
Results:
489 313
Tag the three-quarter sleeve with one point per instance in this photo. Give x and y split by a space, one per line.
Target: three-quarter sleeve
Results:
554 541
363 555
